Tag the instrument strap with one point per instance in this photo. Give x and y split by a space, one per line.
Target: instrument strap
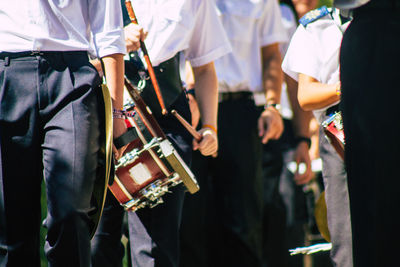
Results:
126 138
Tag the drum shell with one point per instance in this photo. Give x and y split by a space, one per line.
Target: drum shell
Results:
333 129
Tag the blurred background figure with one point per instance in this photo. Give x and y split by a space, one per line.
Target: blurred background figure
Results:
222 226
285 213
302 7
313 60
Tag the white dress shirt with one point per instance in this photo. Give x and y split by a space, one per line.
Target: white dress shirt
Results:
314 51
61 25
250 25
191 26
290 26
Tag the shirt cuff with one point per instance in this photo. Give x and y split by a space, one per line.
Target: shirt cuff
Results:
111 42
272 39
212 56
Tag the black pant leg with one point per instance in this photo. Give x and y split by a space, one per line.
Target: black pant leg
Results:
50 113
237 187
106 246
70 117
369 75
20 164
274 217
195 217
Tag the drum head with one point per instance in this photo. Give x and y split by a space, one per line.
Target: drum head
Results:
321 217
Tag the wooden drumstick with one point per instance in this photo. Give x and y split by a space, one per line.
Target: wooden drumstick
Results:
153 79
188 127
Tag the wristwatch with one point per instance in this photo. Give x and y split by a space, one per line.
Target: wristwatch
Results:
275 106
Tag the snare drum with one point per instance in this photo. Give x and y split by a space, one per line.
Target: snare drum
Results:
333 129
150 164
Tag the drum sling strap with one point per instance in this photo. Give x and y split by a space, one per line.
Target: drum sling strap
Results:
168 77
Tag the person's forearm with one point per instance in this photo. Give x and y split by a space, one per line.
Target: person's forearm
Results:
189 76
272 73
97 64
315 95
301 119
207 93
114 70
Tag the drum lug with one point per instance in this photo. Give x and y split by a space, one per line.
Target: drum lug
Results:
154 191
338 121
133 155
132 205
175 179
158 201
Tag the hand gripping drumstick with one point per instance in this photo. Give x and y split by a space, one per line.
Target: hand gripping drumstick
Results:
153 79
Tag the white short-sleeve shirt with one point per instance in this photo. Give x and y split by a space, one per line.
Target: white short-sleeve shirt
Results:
69 25
314 51
191 26
290 25
250 25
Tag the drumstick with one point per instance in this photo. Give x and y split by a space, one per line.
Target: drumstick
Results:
188 127
153 79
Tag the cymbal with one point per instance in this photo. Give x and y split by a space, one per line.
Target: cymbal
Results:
321 217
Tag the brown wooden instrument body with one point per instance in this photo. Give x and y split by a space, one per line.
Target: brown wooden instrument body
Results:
150 164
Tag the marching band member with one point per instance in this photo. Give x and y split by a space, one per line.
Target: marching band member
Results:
189 27
286 211
312 59
234 236
50 123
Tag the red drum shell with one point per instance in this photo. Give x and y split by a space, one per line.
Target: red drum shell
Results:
335 132
128 180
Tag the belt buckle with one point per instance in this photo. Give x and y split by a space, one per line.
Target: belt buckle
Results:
220 97
229 96
36 53
225 96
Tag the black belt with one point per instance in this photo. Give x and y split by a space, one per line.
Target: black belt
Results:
11 55
234 96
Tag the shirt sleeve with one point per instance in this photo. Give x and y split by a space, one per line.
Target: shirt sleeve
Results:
106 25
290 25
272 29
208 40
302 55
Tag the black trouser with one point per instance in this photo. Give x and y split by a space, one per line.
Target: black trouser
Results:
49 127
285 211
234 231
153 233
196 216
370 69
275 253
